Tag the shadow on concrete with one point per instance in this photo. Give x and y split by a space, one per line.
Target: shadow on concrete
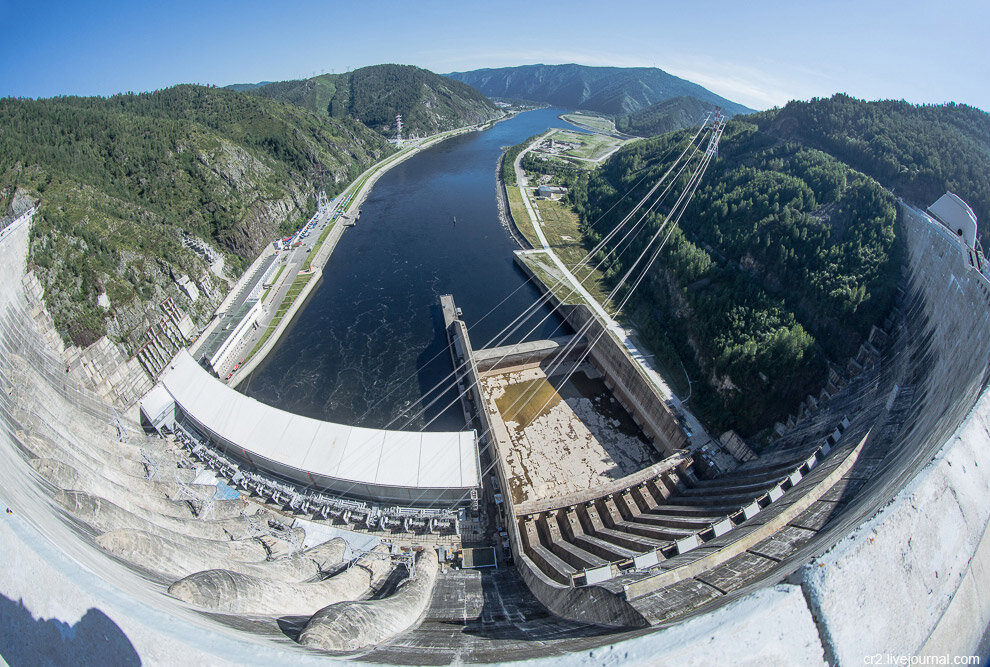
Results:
510 613
94 640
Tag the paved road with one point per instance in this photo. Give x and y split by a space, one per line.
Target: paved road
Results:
292 261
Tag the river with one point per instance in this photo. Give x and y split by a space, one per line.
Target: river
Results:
370 343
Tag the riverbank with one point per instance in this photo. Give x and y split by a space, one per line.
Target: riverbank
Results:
552 232
430 226
505 216
355 195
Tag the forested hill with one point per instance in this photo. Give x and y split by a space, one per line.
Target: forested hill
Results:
662 117
788 252
123 178
610 90
429 103
918 152
783 261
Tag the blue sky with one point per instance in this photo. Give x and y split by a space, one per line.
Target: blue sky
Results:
758 53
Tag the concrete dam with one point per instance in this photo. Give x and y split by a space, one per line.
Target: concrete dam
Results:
859 531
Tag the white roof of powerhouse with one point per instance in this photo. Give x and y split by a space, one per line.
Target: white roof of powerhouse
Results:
372 456
156 401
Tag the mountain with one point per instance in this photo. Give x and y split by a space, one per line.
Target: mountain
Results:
610 90
429 103
783 260
243 87
125 178
789 252
918 151
662 117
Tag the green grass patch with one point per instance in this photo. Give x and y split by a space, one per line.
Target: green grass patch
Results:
517 209
665 359
587 146
319 244
297 286
548 273
563 232
590 122
274 280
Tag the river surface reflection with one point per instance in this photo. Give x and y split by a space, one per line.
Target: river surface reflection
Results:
370 342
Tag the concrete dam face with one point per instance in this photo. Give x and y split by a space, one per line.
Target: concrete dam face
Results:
859 531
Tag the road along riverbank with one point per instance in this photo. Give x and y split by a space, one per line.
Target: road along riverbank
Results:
428 227
353 196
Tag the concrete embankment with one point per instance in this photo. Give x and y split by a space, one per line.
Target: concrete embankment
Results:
504 210
907 572
284 323
912 580
623 375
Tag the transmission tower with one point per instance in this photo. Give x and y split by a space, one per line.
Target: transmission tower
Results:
398 128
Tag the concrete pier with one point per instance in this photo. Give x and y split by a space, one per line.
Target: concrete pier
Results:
530 353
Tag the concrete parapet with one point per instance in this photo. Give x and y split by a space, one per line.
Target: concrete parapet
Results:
673 463
924 557
907 579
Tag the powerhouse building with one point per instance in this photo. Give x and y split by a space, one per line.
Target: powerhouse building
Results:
407 468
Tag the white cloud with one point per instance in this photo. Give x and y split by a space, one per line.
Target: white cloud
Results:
759 87
755 87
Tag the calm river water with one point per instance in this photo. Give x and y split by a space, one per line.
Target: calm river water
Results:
370 342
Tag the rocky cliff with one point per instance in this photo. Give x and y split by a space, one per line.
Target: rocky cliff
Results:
140 191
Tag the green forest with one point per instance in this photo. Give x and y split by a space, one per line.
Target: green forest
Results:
662 117
123 178
917 151
429 103
789 251
781 264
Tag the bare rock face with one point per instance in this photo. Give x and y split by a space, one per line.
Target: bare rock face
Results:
352 626
260 225
21 202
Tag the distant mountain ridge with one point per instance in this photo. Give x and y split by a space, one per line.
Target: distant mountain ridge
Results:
674 114
429 103
918 151
610 90
243 87
789 251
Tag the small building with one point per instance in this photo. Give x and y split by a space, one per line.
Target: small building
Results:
956 214
548 191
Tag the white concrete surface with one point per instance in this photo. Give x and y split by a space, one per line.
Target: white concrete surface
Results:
916 577
362 455
770 627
